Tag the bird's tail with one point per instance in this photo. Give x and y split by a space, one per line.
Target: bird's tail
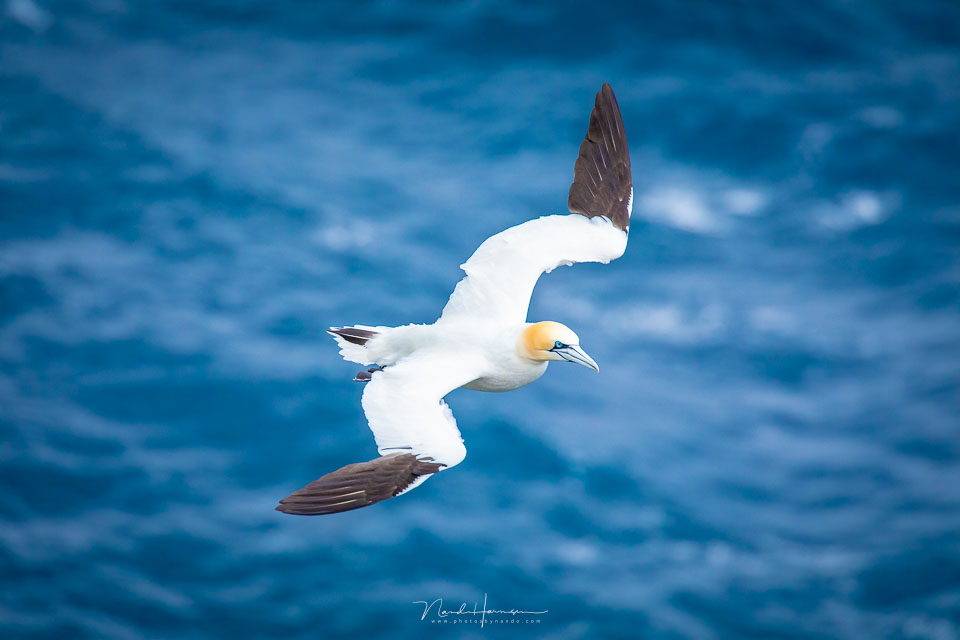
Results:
353 342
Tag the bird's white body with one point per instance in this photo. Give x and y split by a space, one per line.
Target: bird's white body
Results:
491 349
508 370
482 340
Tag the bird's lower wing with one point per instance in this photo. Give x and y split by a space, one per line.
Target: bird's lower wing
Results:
415 431
359 485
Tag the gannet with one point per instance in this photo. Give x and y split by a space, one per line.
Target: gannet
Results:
482 340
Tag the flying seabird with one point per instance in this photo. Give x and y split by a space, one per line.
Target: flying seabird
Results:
482 340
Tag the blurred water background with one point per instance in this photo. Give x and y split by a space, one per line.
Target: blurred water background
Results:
191 192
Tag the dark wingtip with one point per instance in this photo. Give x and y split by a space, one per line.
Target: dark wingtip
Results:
602 183
353 335
358 485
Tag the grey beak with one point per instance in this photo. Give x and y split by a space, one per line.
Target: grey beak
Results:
573 353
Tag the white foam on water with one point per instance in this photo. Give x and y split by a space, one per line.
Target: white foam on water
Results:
881 117
743 202
346 235
858 208
30 15
682 208
670 323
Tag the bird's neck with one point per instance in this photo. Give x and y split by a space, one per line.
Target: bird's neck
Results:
528 340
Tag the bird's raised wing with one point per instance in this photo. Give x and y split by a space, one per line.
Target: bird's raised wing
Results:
602 182
503 271
415 431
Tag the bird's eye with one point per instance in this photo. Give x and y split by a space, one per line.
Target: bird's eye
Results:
557 345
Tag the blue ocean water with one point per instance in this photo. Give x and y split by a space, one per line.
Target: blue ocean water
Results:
191 192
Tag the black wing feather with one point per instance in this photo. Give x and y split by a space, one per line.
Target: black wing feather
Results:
602 183
358 485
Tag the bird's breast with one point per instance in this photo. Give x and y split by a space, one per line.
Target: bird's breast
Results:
509 377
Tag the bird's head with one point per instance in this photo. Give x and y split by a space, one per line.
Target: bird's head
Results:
553 341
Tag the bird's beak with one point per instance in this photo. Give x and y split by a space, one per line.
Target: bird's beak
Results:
573 353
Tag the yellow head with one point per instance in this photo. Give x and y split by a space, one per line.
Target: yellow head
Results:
543 341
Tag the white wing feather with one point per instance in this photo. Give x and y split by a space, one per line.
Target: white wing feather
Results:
404 404
503 271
